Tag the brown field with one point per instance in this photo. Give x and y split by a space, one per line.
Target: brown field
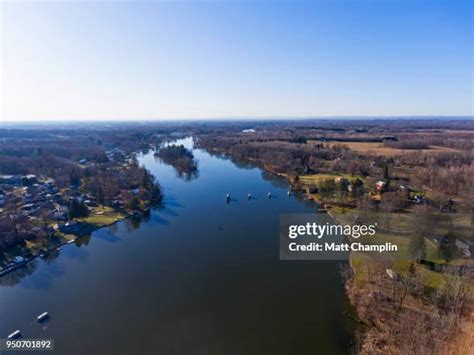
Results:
378 148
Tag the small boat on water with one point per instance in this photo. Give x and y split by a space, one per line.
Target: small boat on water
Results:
269 195
16 334
289 193
42 317
249 196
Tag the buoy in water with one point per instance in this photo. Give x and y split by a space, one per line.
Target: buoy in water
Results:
227 198
249 196
269 195
289 193
42 317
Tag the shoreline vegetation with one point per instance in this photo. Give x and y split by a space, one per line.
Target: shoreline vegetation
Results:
417 184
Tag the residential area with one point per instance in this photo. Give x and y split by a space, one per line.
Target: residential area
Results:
42 210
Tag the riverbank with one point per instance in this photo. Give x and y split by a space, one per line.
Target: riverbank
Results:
87 226
417 309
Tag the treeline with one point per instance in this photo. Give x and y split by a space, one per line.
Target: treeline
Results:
285 157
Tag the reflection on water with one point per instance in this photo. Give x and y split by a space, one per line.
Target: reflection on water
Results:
180 158
195 276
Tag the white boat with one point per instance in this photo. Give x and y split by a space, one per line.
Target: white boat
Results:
42 317
15 334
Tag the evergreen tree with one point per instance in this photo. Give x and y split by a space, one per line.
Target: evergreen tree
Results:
447 246
357 188
417 247
77 209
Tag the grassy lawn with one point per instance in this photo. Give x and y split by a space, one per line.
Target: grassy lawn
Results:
102 216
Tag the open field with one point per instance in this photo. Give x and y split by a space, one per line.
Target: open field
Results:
379 149
314 179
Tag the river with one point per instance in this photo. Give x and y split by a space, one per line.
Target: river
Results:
198 276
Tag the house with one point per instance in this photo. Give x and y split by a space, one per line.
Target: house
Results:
59 216
68 227
418 199
10 179
380 185
447 208
28 180
90 203
30 207
74 227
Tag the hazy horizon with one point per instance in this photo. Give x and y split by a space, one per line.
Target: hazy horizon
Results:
242 119
160 61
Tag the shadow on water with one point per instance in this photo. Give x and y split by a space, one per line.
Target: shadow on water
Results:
42 281
14 277
157 219
276 180
170 202
75 252
169 212
83 241
108 235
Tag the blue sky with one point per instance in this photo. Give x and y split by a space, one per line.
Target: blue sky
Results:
153 60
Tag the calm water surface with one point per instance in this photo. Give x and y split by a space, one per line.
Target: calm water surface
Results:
199 276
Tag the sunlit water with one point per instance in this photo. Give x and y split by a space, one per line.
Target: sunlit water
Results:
199 276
